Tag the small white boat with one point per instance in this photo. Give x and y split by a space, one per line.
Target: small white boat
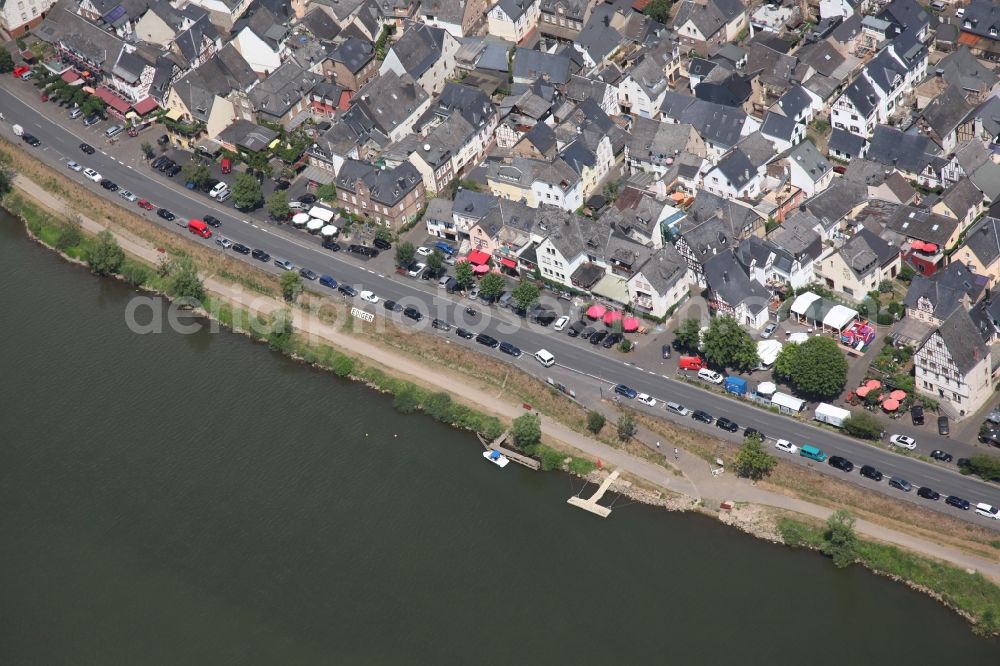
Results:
495 457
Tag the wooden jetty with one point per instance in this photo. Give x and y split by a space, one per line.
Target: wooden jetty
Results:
519 458
591 504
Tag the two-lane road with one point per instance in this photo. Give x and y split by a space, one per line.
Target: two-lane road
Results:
581 366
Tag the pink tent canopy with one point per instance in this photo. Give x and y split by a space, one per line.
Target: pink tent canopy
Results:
898 395
481 268
630 324
596 311
890 405
863 391
873 384
611 316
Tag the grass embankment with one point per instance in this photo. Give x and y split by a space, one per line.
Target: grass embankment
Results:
969 593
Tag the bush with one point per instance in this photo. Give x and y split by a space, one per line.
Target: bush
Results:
863 425
105 256
527 431
70 236
134 273
626 427
491 428
407 399
550 458
438 406
595 421
342 365
840 540
581 466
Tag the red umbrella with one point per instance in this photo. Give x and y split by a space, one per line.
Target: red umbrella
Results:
481 268
898 395
863 391
873 384
630 324
611 316
596 311
890 405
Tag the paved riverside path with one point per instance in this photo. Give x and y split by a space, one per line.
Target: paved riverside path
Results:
697 481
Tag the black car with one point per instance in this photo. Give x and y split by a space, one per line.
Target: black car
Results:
575 328
677 346
109 185
441 325
382 244
727 424
704 417
208 185
173 170
261 255
943 428
165 165
87 148
917 414
665 351
928 493
412 313
462 333
612 340
597 336
158 162
587 332
30 139
241 248
938 454
363 250
841 463
510 349
484 339
870 472
347 290
212 221
307 199
753 432
281 184
392 306
307 274
957 502
163 140
331 245
166 214
92 119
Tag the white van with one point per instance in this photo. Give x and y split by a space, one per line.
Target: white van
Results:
988 511
219 188
710 376
545 358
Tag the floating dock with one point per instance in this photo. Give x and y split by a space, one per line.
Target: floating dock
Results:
519 458
591 504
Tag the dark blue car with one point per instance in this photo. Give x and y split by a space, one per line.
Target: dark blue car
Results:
626 391
327 281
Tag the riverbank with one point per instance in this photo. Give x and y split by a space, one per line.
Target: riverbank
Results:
238 302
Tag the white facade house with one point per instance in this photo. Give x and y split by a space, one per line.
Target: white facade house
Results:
660 286
953 366
20 16
553 265
262 56
513 19
560 193
643 89
427 54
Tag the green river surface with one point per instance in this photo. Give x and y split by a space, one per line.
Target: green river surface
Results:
197 499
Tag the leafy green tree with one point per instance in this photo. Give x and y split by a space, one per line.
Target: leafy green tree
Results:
105 256
383 234
492 285
728 345
659 11
435 262
753 461
526 431
6 61
246 192
626 427
987 467
816 368
277 205
864 425
688 334
194 171
405 253
464 275
840 541
525 295
327 192
279 338
147 150
184 280
71 234
595 421
291 285
93 104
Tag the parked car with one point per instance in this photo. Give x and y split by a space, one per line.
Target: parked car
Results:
612 340
786 446
988 511
308 273
382 244
677 408
487 340
870 472
109 185
665 351
646 399
958 502
307 198
703 416
938 454
841 463
412 313
327 281
87 148
369 297
173 170
560 323
212 221
146 204
363 250
392 306
768 330
903 442
440 324
30 139
943 428
753 432
92 119
900 483
587 332
20 71
727 424
331 245
127 196
928 493
223 242
260 255
424 251
917 415
73 166
463 333
241 248
626 391
597 336
166 214
92 175
710 376
510 349
347 290
575 328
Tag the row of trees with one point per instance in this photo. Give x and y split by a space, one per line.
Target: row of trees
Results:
724 343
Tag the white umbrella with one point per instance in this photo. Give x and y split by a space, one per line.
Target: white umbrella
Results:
766 388
314 225
300 219
329 231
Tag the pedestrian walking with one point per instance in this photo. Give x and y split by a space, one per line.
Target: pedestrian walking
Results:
657 445
677 454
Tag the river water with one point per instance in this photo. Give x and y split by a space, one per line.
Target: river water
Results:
197 499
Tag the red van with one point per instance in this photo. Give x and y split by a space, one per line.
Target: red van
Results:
227 165
200 228
691 363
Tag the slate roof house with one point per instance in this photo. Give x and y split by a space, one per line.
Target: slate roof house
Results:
461 18
426 54
713 22
981 250
389 197
859 265
732 291
953 366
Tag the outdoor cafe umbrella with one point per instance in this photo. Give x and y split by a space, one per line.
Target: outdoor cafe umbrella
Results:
862 391
611 316
300 219
890 405
596 311
898 395
873 384
630 324
481 268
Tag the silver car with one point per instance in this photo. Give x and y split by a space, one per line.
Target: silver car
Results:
128 196
768 330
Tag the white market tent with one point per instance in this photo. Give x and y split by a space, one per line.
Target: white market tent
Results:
787 402
329 231
766 388
831 414
321 213
300 219
839 317
798 337
314 225
802 303
768 351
